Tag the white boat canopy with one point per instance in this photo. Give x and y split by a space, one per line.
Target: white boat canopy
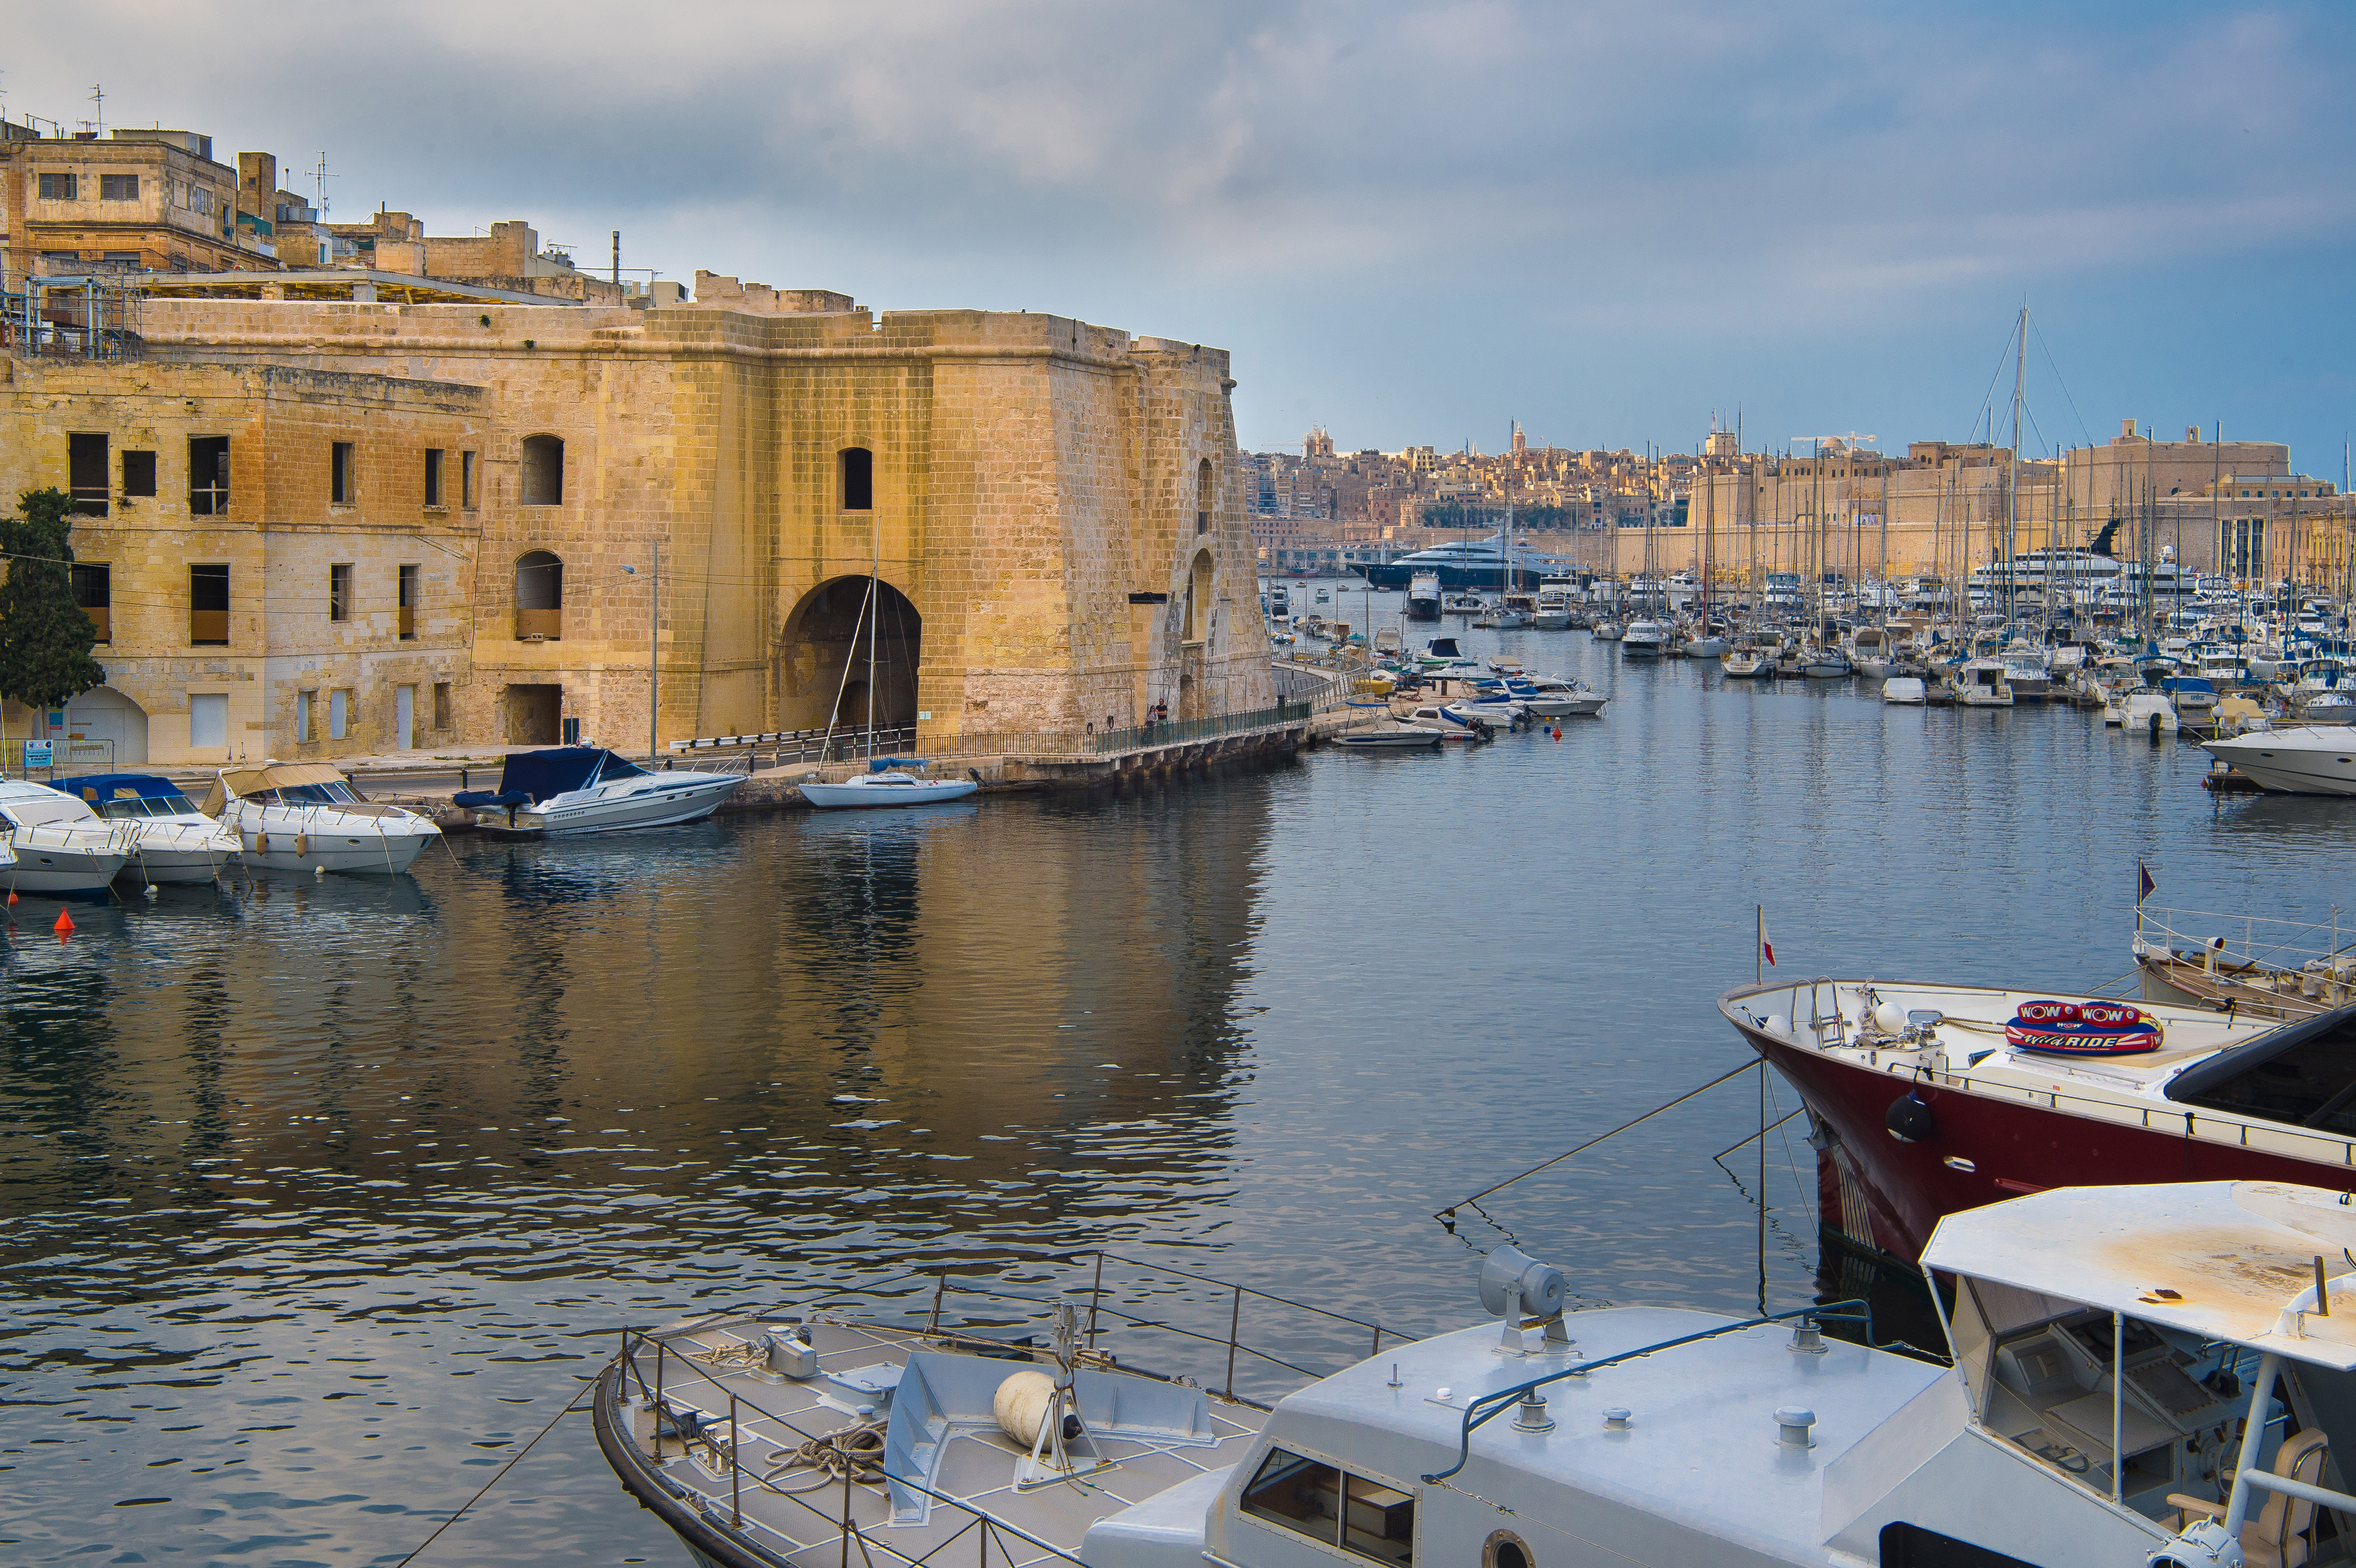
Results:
2234 1261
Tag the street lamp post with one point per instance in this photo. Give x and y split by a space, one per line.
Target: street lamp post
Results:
654 647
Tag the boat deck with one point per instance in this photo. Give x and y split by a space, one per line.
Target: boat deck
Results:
771 1506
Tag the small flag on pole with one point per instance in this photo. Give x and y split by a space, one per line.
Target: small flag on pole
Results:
2144 884
1766 943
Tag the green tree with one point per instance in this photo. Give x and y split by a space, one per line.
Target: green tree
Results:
45 637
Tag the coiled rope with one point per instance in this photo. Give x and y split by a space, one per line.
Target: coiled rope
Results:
857 1451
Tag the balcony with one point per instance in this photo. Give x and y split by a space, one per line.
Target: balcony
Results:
209 629
539 626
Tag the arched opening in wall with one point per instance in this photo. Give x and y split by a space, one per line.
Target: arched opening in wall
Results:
834 638
539 597
1205 499
543 470
1200 582
105 729
857 477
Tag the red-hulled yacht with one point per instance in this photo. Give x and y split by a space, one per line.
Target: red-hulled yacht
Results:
1927 1100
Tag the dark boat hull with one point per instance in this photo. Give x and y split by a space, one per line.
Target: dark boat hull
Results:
1893 1193
1398 573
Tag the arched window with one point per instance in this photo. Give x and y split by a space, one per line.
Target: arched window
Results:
1203 497
858 466
543 470
1200 584
539 596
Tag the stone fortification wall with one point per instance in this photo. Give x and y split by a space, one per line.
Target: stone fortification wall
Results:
1034 478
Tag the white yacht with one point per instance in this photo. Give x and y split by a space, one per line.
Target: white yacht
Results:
307 817
2100 1346
1644 640
170 840
58 843
1554 604
577 789
2311 759
2026 673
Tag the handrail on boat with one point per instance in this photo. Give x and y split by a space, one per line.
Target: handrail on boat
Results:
625 1366
1491 1405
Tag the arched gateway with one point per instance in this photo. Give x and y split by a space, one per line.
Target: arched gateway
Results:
836 635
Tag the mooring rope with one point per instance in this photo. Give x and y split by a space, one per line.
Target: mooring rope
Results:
856 1450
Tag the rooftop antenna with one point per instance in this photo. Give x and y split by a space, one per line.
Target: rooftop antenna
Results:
319 179
98 97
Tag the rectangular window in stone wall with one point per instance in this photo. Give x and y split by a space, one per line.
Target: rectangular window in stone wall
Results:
858 478
434 476
118 188
56 188
207 475
86 473
441 705
407 605
469 486
339 715
340 591
139 473
303 701
339 474
209 606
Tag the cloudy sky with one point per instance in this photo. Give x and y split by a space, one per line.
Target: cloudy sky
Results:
1411 222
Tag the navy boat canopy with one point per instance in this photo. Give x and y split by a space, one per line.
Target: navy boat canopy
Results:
528 778
99 788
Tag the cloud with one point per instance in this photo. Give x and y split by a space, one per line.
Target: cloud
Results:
1677 175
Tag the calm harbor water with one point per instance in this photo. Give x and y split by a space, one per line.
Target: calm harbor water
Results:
320 1198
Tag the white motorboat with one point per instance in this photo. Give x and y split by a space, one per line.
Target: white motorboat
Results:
1705 645
1908 689
307 817
1399 737
171 841
2142 709
1644 639
573 791
58 843
2026 673
2307 759
1552 697
1446 724
2101 1345
1423 597
1980 684
1493 715
888 783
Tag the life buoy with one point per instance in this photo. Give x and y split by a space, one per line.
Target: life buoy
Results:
2083 1029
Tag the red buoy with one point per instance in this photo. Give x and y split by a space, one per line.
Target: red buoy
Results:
65 923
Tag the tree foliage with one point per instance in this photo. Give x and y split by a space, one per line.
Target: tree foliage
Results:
45 637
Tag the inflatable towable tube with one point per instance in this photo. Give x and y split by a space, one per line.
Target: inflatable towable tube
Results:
2083 1029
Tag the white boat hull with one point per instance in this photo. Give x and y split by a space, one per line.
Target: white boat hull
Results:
51 868
1391 740
176 865
381 855
1904 689
676 806
2303 761
859 793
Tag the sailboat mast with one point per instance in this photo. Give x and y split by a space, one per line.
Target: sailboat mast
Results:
2012 475
876 598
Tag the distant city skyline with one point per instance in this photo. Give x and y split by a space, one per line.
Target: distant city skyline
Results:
1411 224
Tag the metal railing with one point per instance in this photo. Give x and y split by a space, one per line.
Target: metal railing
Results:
726 1456
2247 940
781 746
1174 732
2200 1123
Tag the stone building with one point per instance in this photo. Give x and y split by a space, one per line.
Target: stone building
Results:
134 201
320 529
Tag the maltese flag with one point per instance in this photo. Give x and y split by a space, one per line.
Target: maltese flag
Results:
1766 943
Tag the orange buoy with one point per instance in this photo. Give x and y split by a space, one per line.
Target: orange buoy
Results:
12 898
65 923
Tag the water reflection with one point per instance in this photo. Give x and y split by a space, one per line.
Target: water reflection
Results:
321 1195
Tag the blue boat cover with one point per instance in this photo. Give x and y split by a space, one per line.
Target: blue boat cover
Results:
886 764
99 787
528 778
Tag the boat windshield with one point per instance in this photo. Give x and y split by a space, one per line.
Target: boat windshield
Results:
2302 1074
307 795
150 806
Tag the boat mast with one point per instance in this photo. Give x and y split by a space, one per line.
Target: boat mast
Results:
875 618
2012 475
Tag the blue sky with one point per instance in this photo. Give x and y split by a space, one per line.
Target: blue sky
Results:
1409 222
